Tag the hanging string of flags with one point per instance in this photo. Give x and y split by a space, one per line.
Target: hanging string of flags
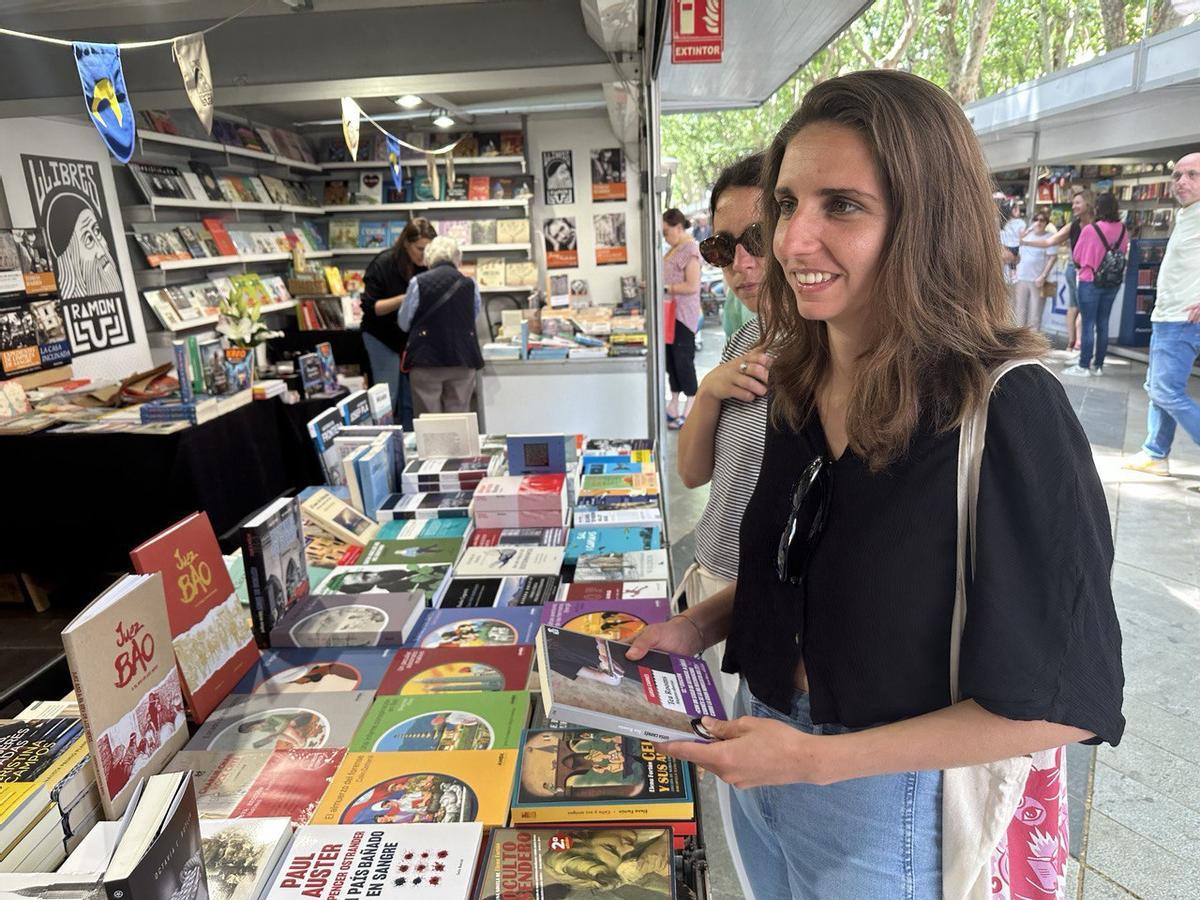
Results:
106 98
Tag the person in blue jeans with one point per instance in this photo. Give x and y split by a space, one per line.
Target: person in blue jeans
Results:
1096 301
1175 339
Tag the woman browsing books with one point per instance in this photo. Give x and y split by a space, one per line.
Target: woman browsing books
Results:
842 620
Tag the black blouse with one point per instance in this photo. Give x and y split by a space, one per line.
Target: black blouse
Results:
385 278
872 619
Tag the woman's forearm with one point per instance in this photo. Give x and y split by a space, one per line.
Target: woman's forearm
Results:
964 734
695 451
713 616
388 305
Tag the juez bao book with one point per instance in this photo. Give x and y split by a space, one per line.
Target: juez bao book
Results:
587 775
488 720
290 670
587 681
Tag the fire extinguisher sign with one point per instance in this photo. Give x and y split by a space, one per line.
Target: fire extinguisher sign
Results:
697 31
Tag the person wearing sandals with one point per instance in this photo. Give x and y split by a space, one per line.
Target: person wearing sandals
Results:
912 663
681 283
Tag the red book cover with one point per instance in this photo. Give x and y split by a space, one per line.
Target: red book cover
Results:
220 236
210 632
521 492
478 187
448 670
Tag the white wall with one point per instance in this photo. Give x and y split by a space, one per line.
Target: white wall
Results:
76 141
581 133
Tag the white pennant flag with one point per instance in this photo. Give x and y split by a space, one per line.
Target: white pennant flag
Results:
192 58
350 121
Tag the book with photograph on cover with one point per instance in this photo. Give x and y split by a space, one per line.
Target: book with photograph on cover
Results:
522 590
618 620
478 628
311 721
350 620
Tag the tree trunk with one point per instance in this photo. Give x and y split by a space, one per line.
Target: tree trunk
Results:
972 58
1112 18
1164 17
912 20
947 11
1049 30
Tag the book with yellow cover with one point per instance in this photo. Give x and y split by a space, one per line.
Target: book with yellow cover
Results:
420 786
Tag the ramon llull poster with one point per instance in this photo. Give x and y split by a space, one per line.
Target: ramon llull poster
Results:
69 209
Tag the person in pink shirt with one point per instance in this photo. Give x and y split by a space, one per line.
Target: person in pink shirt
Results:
1096 295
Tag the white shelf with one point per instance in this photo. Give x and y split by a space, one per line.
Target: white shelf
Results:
506 290
216 147
492 248
239 206
356 251
522 203
207 262
303 210
212 320
466 161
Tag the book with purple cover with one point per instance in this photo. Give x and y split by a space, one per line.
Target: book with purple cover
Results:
588 682
617 620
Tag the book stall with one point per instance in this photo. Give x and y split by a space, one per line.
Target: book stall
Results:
411 674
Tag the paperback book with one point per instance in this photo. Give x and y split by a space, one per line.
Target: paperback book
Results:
339 518
618 620
536 454
471 628
421 529
350 620
637 565
518 537
525 590
488 720
588 682
412 551
289 670
502 561
444 474
240 855
158 854
613 590
437 505
594 541
310 721
454 670
431 580
276 571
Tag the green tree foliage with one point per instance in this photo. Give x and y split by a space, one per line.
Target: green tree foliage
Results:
973 48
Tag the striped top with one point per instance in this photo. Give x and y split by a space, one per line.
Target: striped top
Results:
737 456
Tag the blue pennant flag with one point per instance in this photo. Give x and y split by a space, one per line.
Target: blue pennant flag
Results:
105 96
393 148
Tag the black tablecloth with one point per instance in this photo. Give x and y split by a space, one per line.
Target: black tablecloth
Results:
347 346
83 501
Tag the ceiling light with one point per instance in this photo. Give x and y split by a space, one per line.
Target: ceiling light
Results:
409 101
443 120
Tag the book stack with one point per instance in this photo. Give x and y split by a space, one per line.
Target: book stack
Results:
521 501
445 474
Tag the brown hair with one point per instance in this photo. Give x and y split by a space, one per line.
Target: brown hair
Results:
941 319
413 232
674 217
1106 209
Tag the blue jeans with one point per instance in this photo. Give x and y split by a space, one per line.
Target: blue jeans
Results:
1174 347
385 368
1095 306
1072 279
877 838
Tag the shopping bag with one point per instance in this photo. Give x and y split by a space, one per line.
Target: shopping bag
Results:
668 321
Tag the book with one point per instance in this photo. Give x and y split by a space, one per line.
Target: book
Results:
240 855
220 236
633 862
273 557
355 409
478 187
642 484
521 273
312 383
517 590
323 428
483 231
592 541
158 854
618 620
253 784
518 537
303 721
397 530
613 590
379 399
419 787
288 670
328 366
213 644
343 233
339 518
433 505
536 454
447 434
357 579
427 551
445 473
482 562
471 628
521 501
160 182
490 271
636 565
350 620
372 235
45 762
458 230
588 682
435 861
452 670
488 720
588 775
123 669
512 231
623 516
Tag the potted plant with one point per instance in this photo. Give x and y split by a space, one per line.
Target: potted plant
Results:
241 324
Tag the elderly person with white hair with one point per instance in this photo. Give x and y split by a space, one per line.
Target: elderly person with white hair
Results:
439 315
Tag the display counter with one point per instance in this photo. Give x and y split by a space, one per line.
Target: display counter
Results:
596 397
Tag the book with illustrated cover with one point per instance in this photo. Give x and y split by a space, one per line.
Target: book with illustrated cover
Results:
240 855
274 559
483 231
618 620
343 233
512 231
323 428
521 273
502 561
160 182
158 855
350 620
522 590
614 590
453 670
311 721
622 861
537 454
490 271
419 787
592 541
289 670
588 775
339 518
478 188
328 365
397 530
254 784
123 667
213 644
588 682
478 628
636 565
642 484
431 579
488 720
428 551
518 537
447 434
436 861
458 230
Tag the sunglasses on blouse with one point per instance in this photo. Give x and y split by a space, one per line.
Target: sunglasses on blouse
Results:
805 522
720 249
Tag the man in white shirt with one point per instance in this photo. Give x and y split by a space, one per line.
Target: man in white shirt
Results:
1175 342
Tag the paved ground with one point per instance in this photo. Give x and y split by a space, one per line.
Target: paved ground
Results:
1135 809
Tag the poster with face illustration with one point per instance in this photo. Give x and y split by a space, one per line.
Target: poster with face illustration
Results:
69 208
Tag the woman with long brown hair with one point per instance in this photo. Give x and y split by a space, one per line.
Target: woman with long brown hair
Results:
384 286
858 708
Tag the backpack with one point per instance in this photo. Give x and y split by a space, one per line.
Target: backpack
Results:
1111 271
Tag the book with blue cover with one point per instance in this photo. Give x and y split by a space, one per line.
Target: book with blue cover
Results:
585 541
537 454
372 235
492 627
375 470
323 429
398 530
309 669
355 409
616 468
395 228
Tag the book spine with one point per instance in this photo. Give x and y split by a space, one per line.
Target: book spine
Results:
180 349
256 584
89 730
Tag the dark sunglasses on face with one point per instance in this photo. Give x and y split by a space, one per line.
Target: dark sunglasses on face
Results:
806 521
720 249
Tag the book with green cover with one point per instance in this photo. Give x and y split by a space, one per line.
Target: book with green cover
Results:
396 529
488 720
414 550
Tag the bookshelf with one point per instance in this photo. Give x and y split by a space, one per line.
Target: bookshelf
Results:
1141 287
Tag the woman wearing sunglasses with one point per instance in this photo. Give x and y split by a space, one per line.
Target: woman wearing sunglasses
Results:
844 609
681 281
